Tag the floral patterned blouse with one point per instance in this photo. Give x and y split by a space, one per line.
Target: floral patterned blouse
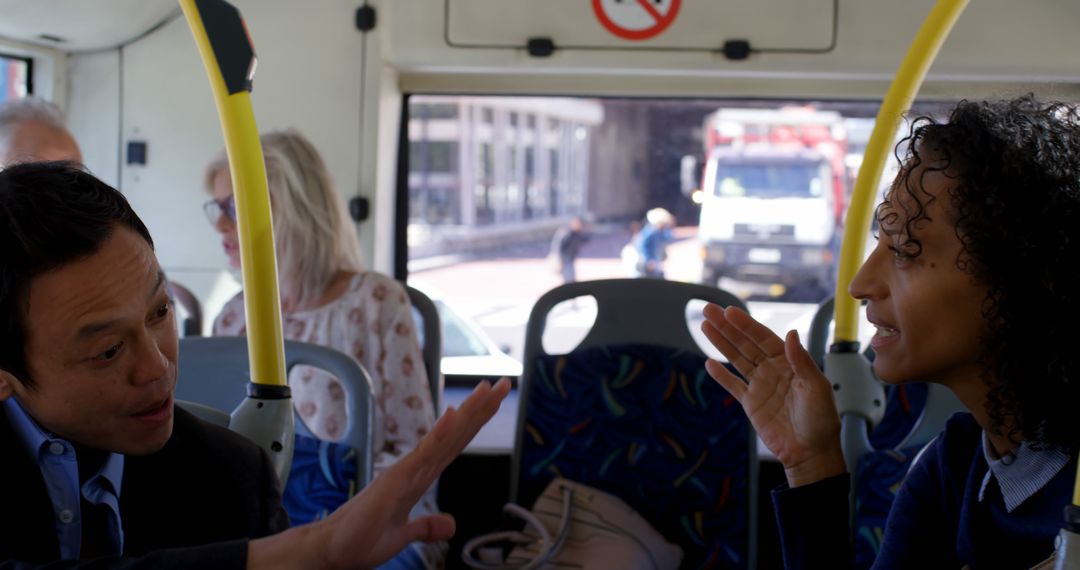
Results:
373 322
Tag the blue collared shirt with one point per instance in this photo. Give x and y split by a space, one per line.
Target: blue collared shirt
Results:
1022 472
60 470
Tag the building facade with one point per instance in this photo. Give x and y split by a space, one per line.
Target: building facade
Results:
485 171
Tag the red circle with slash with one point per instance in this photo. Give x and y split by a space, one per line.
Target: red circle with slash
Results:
660 21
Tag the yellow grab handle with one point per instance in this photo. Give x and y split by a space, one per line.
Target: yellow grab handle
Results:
1076 488
909 79
230 62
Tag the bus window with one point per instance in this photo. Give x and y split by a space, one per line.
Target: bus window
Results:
14 77
492 180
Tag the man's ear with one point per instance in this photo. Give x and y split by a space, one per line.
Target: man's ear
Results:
7 385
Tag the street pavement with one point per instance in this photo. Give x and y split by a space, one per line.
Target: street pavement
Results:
498 292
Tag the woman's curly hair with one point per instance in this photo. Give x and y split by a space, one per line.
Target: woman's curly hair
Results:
1016 207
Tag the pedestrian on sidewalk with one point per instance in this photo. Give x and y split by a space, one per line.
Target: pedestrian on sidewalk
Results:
566 246
651 243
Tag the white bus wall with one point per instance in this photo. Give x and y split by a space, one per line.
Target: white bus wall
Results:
94 113
156 91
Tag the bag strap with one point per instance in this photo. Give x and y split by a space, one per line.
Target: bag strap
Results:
548 547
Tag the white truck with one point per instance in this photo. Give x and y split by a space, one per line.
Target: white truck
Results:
768 217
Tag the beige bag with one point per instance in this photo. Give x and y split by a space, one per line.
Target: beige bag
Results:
574 526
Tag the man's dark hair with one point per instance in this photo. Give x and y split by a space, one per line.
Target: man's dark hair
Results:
51 214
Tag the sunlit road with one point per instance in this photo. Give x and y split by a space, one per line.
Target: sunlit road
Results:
498 293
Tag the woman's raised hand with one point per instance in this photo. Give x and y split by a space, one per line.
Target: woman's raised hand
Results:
788 400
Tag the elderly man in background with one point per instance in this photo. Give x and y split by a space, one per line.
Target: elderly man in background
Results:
33 130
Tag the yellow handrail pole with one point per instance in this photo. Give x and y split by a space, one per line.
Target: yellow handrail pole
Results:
1076 489
256 232
909 78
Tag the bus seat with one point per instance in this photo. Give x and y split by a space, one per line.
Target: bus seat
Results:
914 414
817 340
205 413
429 326
191 324
214 372
632 411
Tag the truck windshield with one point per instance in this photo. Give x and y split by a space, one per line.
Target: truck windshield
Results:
774 180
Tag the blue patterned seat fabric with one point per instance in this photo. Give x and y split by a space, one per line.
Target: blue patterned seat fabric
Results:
881 472
322 478
904 403
649 425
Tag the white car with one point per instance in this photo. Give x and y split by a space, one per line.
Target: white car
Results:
469 351
466 349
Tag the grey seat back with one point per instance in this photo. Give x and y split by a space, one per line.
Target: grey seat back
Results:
628 311
214 372
577 409
193 317
205 413
430 328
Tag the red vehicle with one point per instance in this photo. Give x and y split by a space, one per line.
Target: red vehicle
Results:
775 191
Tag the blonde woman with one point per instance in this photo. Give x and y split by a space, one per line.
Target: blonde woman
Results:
328 299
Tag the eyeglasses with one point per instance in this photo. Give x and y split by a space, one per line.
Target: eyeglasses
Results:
215 208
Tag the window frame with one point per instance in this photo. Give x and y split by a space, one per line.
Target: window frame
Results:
29 61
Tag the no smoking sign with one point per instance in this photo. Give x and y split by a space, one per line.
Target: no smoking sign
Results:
636 19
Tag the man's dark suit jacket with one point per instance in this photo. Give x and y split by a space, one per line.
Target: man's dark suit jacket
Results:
201 497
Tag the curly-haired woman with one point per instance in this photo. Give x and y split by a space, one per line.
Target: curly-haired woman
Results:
972 285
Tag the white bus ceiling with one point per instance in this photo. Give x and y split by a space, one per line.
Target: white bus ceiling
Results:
72 25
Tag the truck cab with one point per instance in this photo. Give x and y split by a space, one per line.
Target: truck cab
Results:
768 217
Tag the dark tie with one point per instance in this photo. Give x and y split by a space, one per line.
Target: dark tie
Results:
97 538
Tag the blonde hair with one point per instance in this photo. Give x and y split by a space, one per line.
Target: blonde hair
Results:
314 237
